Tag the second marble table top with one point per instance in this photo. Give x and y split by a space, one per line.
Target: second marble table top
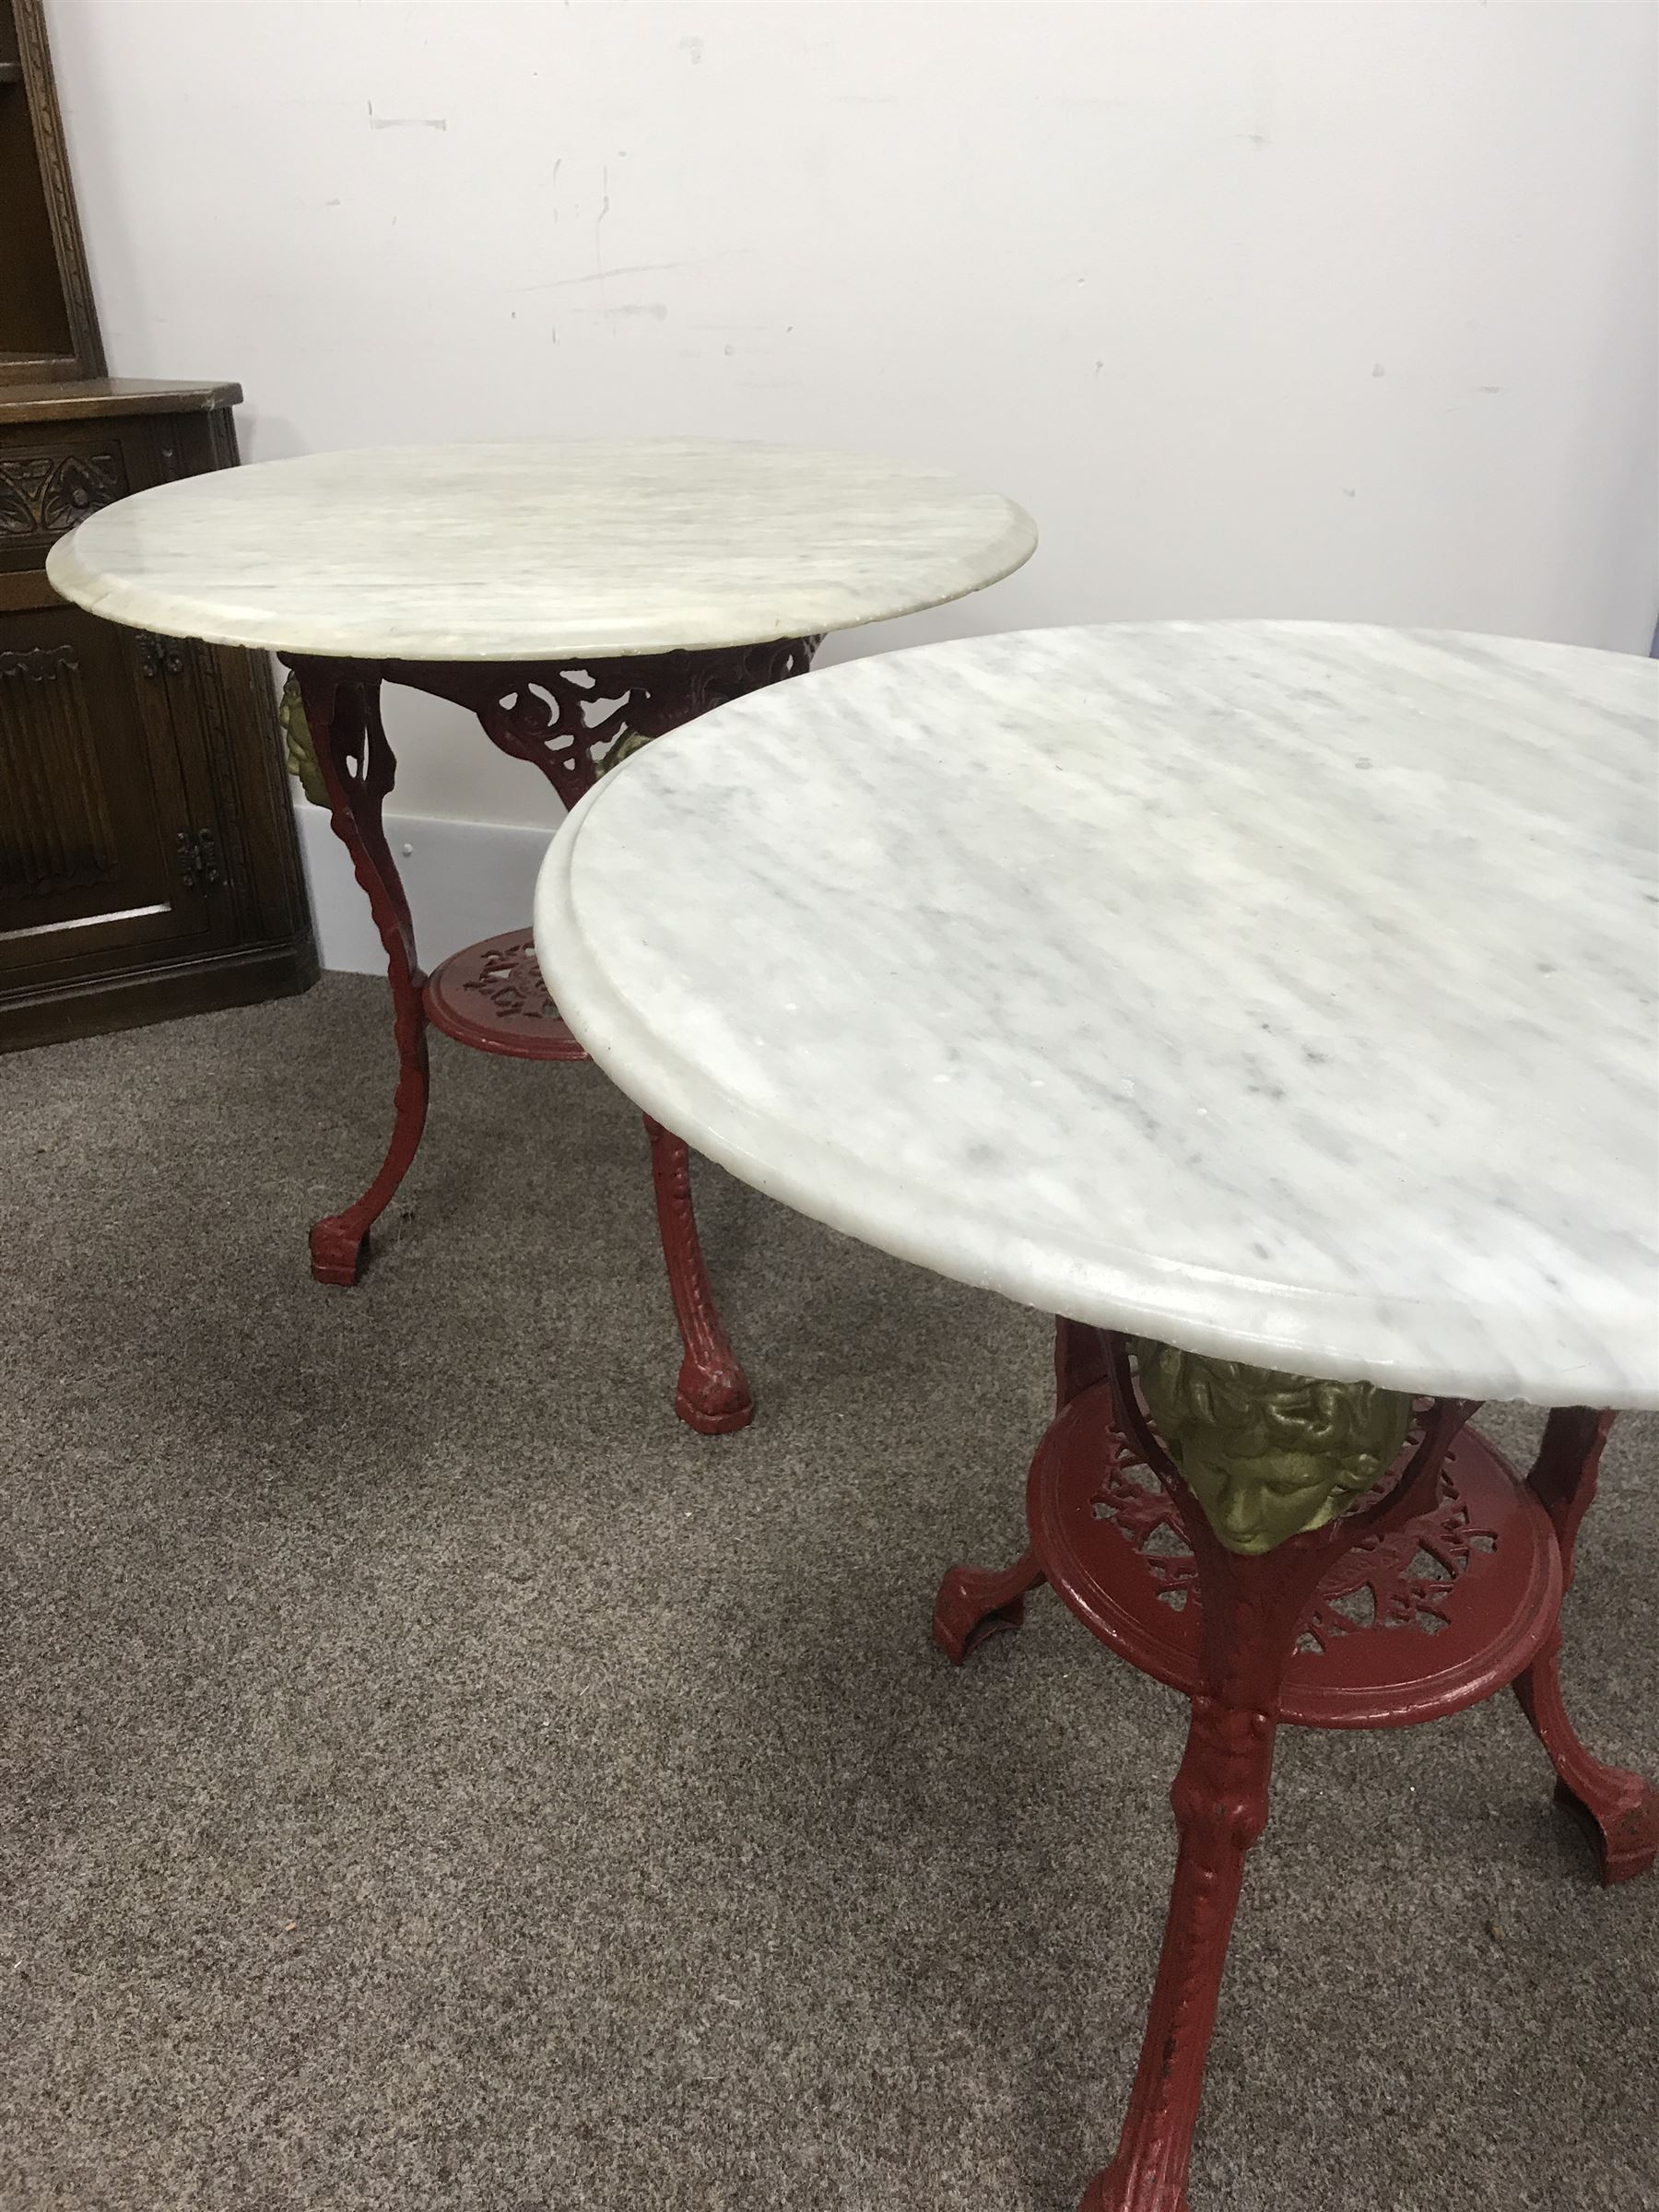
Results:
524 552
1287 991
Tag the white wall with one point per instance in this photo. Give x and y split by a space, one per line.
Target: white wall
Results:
1327 310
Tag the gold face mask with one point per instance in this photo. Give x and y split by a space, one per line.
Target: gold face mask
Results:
1268 1455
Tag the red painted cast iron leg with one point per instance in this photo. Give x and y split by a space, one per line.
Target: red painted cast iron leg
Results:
977 1602
713 1394
1082 1358
1621 1808
349 739
974 1602
1221 1801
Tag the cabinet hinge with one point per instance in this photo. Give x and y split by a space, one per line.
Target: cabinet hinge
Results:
198 860
160 656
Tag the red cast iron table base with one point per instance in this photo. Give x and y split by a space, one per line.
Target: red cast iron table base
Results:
1440 1589
566 720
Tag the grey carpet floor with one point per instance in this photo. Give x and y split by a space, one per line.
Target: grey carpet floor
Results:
435 1779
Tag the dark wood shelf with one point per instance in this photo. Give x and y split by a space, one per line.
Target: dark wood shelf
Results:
86 399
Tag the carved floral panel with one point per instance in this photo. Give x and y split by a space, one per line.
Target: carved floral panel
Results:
42 495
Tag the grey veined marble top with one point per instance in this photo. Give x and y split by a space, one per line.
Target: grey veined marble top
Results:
534 551
1285 991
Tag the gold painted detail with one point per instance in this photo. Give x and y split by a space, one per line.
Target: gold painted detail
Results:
1268 1455
297 749
627 745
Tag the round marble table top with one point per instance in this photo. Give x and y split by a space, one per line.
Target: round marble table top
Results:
538 551
1285 991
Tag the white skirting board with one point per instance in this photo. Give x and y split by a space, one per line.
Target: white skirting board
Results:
464 880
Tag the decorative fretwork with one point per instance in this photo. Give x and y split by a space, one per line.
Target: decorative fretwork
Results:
512 983
1402 1579
685 685
574 720
561 720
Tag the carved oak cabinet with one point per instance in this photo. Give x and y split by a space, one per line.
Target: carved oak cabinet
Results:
148 863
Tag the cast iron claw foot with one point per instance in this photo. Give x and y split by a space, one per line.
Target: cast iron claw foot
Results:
713 1394
973 1603
337 1251
1624 1828
713 1401
1620 1809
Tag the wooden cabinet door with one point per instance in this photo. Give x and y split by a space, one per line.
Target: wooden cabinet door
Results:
148 863
103 863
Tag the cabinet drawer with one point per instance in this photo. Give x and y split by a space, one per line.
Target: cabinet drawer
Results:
47 487
54 474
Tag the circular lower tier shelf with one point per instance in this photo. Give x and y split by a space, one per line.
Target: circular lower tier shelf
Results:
1406 1627
492 998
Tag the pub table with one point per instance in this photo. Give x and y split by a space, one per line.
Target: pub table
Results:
1275 1003
580 599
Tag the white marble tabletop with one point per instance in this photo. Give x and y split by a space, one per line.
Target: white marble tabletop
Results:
536 551
1285 991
